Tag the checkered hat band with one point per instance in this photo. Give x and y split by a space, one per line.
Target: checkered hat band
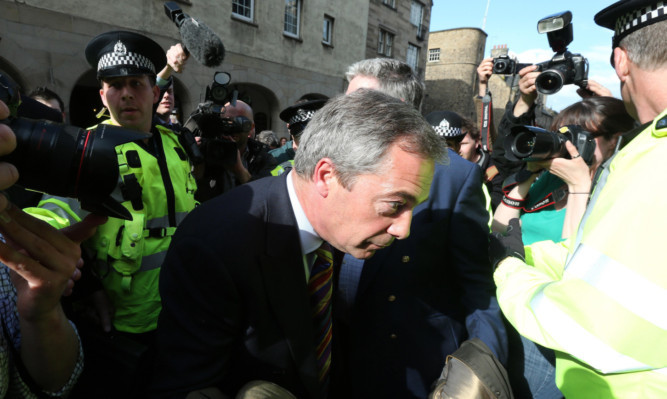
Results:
301 116
448 131
636 19
113 59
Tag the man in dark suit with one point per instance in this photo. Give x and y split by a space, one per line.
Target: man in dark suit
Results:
234 285
400 313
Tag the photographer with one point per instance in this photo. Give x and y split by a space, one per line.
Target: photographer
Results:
39 348
251 161
522 112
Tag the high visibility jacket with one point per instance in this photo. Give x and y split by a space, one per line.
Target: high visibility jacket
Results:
159 193
599 298
281 168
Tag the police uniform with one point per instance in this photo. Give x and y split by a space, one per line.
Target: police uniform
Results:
448 125
297 117
155 186
598 299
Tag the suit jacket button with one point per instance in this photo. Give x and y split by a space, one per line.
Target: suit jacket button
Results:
391 298
405 259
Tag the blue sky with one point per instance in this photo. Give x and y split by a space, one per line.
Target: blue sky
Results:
514 23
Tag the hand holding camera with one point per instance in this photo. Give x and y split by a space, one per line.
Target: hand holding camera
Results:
573 170
563 69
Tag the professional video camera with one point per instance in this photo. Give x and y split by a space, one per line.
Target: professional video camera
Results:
529 143
563 69
218 151
65 160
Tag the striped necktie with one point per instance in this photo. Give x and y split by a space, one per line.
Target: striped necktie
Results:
320 288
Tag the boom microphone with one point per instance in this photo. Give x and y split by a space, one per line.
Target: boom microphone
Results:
197 38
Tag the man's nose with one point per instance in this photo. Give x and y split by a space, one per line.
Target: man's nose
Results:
401 226
126 92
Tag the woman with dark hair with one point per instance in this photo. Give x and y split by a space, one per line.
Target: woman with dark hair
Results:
550 204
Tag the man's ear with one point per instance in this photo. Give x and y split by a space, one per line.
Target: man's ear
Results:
621 63
104 100
156 94
324 176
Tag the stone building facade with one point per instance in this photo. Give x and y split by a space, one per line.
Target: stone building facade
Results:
271 64
399 29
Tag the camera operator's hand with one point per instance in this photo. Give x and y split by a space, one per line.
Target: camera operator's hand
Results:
240 172
8 172
574 171
577 175
594 89
484 72
527 75
44 263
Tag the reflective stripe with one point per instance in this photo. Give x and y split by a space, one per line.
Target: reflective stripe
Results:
573 338
631 290
163 222
152 262
662 371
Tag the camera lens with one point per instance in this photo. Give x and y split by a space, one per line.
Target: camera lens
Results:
549 81
68 161
523 144
499 67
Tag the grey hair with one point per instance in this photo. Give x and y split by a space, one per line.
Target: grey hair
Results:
356 131
268 137
647 46
396 78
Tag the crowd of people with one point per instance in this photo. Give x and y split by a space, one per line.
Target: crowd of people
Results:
376 252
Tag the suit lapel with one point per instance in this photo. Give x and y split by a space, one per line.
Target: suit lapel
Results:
285 283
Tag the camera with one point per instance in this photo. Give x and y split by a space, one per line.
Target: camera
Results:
67 161
504 65
217 150
529 143
563 69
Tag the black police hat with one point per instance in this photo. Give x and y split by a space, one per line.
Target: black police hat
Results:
122 53
627 16
299 114
447 124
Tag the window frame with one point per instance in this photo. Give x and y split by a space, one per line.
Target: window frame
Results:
241 16
328 41
416 56
421 13
298 19
432 52
385 42
389 3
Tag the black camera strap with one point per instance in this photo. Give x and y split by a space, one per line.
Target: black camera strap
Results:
487 118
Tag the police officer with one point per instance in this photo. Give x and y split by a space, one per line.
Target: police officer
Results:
598 301
297 117
155 186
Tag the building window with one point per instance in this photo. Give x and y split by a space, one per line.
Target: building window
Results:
390 3
385 43
416 12
413 56
327 30
243 9
434 54
292 15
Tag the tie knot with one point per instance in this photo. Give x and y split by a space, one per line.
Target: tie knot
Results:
325 252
